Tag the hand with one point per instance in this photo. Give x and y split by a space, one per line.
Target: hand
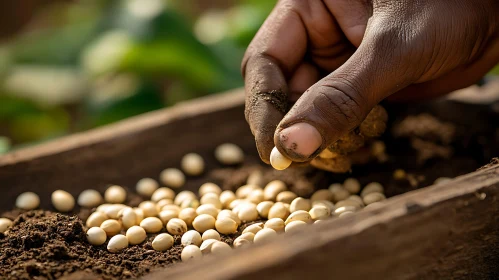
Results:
338 58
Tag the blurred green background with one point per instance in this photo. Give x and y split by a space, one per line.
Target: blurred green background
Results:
67 66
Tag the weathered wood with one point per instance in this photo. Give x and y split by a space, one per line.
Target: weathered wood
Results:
449 231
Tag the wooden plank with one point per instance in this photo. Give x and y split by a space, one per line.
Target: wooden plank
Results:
449 231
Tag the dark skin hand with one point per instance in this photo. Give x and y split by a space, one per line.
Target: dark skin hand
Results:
336 59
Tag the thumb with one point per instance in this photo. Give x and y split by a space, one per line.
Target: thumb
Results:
340 102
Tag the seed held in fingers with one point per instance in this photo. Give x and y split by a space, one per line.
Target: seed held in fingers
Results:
278 160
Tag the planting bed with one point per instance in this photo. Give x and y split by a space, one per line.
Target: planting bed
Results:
461 214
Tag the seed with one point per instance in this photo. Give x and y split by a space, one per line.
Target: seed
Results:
294 226
300 203
149 208
206 246
63 201
172 177
117 243
136 235
278 210
166 215
191 252
372 187
349 202
276 224
236 203
203 222
211 198
96 219
255 178
209 188
152 224
263 208
6 223
187 215
273 188
176 226
226 225
286 197
207 209
28 201
229 214
299 215
190 203
278 160
162 242
255 196
140 215
96 236
248 213
192 164
244 239
320 213
162 203
89 198
322 195
172 207
441 180
339 193
254 228
220 248
211 234
113 210
115 194
245 190
102 208
264 235
146 187
191 237
373 197
399 174
373 205
340 210
356 198
128 217
325 203
111 227
229 154
183 195
226 197
352 185
346 213
163 193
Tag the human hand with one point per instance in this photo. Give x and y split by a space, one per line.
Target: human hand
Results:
338 58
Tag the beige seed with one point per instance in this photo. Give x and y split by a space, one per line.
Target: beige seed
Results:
5 224
229 154
206 246
176 226
248 213
373 197
300 203
244 191
345 214
128 217
322 195
226 225
352 185
203 223
171 207
286 197
172 177
192 164
235 203
149 208
163 193
340 210
255 178
276 224
151 224
209 188
63 201
96 219
278 160
263 208
191 252
96 236
140 215
166 215
136 235
339 193
244 239
190 203
294 226
220 248
273 188
146 187
324 203
356 198
207 209
264 235
111 227
349 202
162 203
229 214
28 201
102 208
299 215
187 215
240 206
211 198
162 242
117 243
211 234
89 198
226 197
115 194
191 237
254 228
320 213
255 196
278 210
184 195
113 210
372 187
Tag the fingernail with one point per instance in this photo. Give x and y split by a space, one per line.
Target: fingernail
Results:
302 139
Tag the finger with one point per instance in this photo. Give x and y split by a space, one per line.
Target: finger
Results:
304 77
352 17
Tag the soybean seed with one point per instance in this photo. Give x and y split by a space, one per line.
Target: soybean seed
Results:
278 160
96 236
255 196
117 243
115 194
192 164
340 210
278 210
28 201
254 228
151 224
162 203
128 217
324 203
136 235
264 235
209 188
89 198
286 197
203 222
245 190
149 208
163 193
373 197
166 215
372 187
220 247
111 227
226 225
229 214
356 198
244 239
300 203
176 226
272 189
191 237
191 252
172 207
294 226
207 209
140 215
248 213
276 224
320 213
146 187
5 224
206 246
349 202
213 199
339 192
322 195
299 215
211 234
172 177
226 197
229 154
162 242
113 210
352 185
63 201
255 178
263 208
187 215
96 219
183 195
